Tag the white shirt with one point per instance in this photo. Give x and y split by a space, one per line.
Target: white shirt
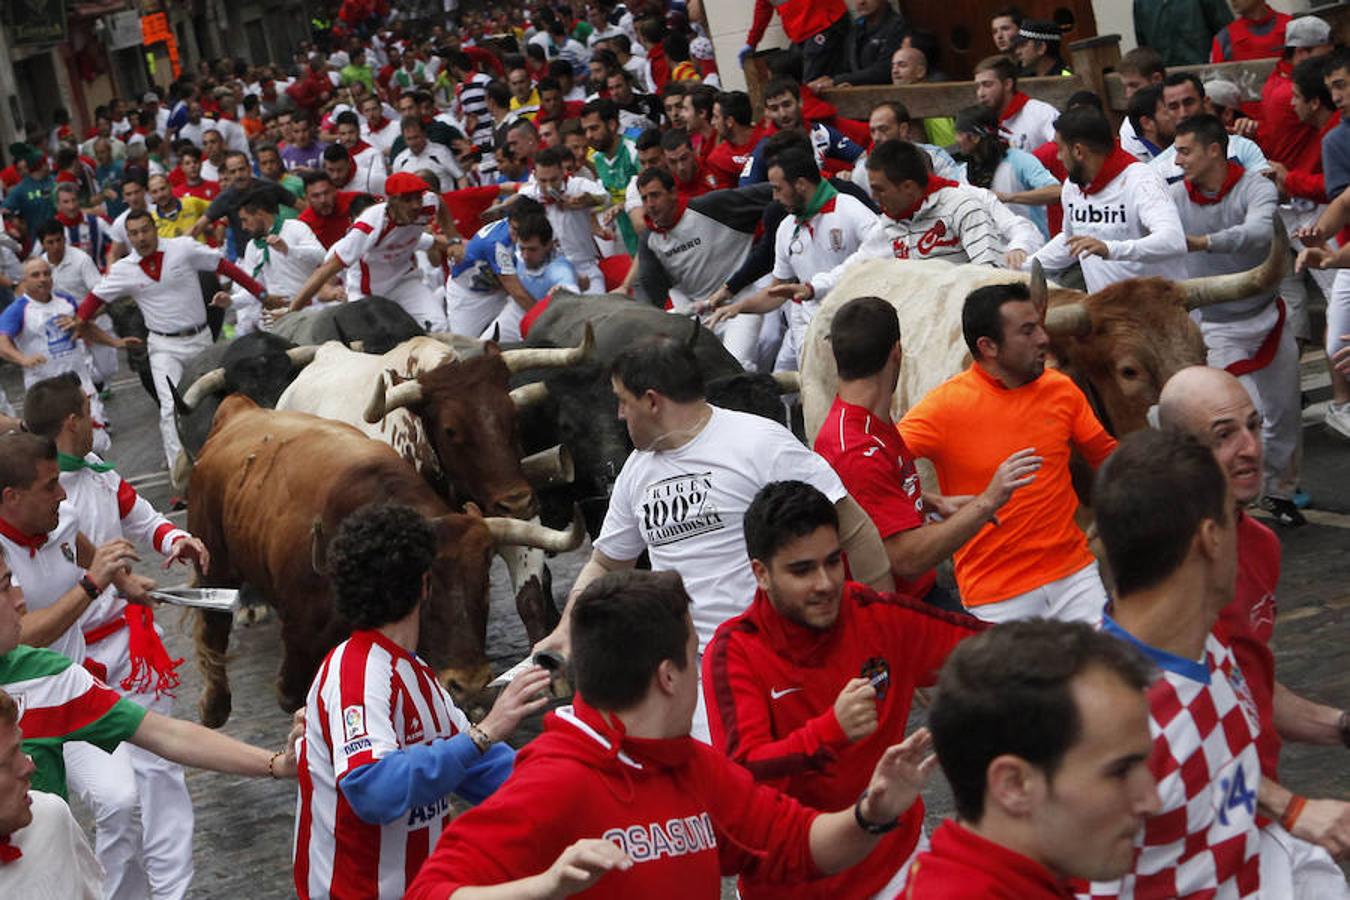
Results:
1244 151
434 157
382 137
379 254
686 506
371 172
170 299
1033 125
281 273
572 227
1134 215
57 863
33 329
47 574
824 242
76 273
210 171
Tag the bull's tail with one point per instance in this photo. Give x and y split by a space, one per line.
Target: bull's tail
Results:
213 643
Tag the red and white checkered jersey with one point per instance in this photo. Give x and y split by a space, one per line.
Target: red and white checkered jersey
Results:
1204 841
378 254
371 698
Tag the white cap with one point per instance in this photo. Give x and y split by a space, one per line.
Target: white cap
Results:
1222 92
1307 31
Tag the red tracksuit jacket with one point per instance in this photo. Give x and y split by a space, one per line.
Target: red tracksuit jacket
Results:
770 686
964 866
683 812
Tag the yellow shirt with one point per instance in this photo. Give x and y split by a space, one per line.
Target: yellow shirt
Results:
530 108
181 222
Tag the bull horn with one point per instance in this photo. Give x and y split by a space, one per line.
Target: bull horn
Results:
1069 320
179 406
532 534
357 346
1211 289
383 400
528 395
788 382
302 356
209 383
547 358
549 467
1039 292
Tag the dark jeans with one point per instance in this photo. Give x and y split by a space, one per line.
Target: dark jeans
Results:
822 53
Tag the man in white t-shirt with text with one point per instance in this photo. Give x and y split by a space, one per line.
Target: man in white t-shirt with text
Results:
684 489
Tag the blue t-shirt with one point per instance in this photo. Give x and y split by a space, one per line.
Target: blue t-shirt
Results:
557 272
487 255
1336 159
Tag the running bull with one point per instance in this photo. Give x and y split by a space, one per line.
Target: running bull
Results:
271 488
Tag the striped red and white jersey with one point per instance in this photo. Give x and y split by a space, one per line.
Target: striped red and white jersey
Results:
1204 841
378 254
371 698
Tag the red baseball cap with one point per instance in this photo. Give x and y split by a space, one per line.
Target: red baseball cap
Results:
404 183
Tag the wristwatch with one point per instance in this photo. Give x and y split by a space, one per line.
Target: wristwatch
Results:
871 827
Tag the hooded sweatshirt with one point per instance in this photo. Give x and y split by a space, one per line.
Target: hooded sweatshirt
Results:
684 813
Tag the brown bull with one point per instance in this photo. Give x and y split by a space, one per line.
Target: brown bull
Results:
268 491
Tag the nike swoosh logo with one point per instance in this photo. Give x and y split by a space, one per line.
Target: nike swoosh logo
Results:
774 693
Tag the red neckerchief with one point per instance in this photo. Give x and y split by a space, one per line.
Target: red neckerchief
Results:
8 852
681 205
1115 163
33 542
934 185
69 223
1200 198
1014 106
361 147
153 265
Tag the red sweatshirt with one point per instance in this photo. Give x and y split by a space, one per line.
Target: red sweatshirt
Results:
726 161
1305 177
1245 38
964 866
1283 138
770 685
682 811
802 19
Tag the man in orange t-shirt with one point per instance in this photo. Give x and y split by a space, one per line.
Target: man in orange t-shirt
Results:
1034 561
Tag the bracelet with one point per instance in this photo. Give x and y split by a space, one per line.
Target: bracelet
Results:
870 827
90 587
271 763
481 739
1344 726
1292 811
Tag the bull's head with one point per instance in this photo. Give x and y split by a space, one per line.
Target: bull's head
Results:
469 412
1123 343
454 620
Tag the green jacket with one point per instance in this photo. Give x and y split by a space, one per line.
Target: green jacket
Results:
1180 30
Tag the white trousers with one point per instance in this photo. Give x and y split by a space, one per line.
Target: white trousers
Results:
168 355
140 800
471 313
1338 312
1274 390
1294 286
102 358
420 301
1079 597
1292 867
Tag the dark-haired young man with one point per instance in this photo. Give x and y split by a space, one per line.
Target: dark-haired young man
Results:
384 743
327 210
1042 731
1119 221
570 202
810 685
783 109
1034 561
618 798
614 158
1184 96
859 441
683 491
1174 574
281 254
1024 122
734 122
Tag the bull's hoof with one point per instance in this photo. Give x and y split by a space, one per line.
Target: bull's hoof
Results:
250 614
214 709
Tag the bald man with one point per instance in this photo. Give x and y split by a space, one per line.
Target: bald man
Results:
1212 405
910 66
35 334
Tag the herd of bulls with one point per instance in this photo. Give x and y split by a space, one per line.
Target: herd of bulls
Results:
515 451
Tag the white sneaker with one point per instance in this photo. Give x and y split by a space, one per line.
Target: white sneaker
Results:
1338 419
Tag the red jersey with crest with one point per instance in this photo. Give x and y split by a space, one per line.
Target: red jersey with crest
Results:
770 685
876 467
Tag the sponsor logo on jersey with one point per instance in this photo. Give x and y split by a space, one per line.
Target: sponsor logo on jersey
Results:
1098 215
836 239
878 672
353 723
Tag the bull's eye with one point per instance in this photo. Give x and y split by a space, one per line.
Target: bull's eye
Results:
1129 372
450 434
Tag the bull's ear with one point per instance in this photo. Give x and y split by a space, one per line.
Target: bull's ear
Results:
178 403
1039 293
496 333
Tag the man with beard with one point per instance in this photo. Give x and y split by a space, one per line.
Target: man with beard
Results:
1035 562
327 210
281 255
239 181
734 121
1119 220
615 159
